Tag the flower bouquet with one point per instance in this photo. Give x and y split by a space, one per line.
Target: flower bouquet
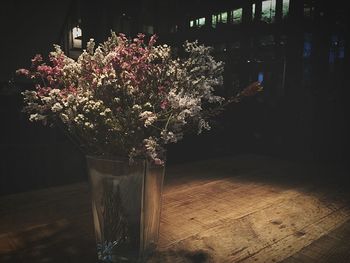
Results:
122 102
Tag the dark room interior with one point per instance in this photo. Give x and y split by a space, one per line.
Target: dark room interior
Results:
269 182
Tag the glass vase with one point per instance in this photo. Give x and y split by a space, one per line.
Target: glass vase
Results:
126 205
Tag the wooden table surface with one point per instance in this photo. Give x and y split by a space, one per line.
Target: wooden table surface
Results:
233 209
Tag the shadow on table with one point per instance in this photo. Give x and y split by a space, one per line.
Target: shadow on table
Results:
51 243
64 242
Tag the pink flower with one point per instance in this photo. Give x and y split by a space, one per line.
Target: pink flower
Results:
51 80
44 70
57 61
132 85
152 40
141 35
161 89
67 91
122 37
139 39
37 60
164 104
23 71
158 161
42 91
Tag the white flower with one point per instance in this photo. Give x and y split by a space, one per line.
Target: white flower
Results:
64 118
70 98
147 105
46 100
131 89
148 117
30 94
79 119
202 124
169 136
136 107
152 150
90 46
108 91
54 92
56 107
37 117
105 112
89 125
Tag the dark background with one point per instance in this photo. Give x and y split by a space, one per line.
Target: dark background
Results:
303 58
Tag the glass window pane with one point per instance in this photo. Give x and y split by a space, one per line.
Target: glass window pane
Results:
268 10
236 16
214 20
201 21
253 11
223 17
285 8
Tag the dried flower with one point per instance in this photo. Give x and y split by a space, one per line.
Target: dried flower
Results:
126 97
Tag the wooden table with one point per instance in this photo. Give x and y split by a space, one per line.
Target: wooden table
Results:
233 209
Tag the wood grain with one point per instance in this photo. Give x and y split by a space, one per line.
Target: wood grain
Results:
232 209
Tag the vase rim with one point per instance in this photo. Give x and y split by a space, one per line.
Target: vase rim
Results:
113 158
